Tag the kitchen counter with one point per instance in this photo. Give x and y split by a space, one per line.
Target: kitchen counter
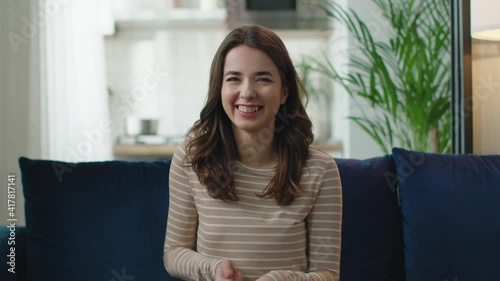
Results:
167 150
144 150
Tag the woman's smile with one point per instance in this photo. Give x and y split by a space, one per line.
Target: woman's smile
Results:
249 111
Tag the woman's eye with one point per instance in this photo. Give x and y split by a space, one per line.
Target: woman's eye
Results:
263 79
230 79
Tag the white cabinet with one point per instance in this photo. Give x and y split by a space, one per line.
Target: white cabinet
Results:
160 73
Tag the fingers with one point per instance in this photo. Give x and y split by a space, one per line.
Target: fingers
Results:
225 272
227 269
228 275
238 276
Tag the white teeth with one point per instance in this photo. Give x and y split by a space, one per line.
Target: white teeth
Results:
248 109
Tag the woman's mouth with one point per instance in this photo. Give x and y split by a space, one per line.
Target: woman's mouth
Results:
248 108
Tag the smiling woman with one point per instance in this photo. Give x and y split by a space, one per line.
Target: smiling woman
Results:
246 189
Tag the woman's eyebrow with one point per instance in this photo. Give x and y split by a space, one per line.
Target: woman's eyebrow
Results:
258 73
261 73
232 72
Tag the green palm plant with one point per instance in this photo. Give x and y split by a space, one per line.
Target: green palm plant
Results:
405 79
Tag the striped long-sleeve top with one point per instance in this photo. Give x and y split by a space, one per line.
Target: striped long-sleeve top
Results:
300 241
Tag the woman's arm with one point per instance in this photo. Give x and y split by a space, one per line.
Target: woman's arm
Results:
324 224
179 258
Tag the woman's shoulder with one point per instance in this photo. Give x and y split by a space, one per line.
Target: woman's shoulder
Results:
182 149
321 158
316 154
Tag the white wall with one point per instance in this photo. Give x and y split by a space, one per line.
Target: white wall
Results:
18 76
486 96
181 59
356 143
313 43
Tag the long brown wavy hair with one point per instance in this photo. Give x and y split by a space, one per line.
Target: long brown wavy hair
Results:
211 147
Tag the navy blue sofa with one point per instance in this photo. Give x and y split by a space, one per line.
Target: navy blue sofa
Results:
407 216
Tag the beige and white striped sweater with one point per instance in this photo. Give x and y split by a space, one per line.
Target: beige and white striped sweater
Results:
296 242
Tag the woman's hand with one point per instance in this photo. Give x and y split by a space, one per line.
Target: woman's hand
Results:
225 272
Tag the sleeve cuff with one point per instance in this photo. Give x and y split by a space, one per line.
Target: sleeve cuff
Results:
213 269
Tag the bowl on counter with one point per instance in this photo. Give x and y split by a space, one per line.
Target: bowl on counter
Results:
136 126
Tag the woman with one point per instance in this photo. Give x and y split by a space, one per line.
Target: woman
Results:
246 190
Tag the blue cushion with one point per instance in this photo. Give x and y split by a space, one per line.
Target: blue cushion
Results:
451 215
95 220
372 246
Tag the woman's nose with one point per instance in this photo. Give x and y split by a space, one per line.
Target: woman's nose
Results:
247 91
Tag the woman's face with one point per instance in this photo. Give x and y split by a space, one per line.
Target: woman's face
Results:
251 90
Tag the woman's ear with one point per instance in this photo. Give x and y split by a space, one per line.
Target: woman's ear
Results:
284 96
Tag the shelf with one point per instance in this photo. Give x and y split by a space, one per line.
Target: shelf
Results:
170 17
168 150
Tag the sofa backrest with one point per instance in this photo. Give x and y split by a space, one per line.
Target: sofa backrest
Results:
96 220
372 234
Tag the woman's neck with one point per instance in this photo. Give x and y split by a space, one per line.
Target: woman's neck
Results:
256 151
